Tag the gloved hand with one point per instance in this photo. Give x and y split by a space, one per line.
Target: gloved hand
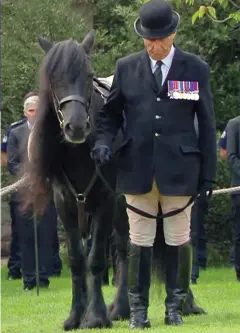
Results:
206 189
101 154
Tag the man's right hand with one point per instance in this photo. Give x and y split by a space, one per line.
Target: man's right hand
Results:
101 154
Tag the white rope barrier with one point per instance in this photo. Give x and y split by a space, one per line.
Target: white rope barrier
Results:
226 190
15 186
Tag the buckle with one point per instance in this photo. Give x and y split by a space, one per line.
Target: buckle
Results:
81 198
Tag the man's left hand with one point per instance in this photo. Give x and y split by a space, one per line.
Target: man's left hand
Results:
206 189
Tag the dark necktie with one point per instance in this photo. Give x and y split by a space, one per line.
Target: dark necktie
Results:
158 74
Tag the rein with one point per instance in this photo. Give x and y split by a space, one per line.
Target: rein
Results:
139 211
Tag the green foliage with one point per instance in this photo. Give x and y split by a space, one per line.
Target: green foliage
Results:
22 22
231 10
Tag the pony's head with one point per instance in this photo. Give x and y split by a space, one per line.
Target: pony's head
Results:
68 72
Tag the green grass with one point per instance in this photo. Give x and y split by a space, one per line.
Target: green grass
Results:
218 292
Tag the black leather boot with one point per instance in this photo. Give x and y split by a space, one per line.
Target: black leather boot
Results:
139 279
237 258
178 272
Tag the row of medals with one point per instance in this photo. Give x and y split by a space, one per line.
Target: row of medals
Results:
194 96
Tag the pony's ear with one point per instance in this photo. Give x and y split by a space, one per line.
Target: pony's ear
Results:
88 42
45 44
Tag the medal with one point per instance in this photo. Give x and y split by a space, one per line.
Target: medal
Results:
175 95
187 90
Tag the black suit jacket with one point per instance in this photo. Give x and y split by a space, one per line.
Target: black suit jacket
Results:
160 138
233 149
17 148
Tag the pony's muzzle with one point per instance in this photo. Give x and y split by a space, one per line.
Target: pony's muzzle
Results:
77 134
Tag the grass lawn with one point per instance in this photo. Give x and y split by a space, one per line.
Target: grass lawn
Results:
218 292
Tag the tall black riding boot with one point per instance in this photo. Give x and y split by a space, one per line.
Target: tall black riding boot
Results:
139 279
178 272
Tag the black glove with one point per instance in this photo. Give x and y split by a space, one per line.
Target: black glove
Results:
206 189
101 154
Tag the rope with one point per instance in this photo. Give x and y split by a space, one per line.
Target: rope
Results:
226 190
13 187
21 182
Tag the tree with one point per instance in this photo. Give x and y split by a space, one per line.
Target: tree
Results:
212 9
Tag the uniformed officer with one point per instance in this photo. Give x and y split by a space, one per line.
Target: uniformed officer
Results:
198 236
162 161
222 143
233 153
14 261
16 156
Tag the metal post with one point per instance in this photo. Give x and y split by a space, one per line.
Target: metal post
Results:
36 252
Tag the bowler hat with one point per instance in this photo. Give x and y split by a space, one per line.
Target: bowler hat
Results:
157 20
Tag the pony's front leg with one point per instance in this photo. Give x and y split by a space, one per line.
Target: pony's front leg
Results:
67 212
79 285
119 309
96 315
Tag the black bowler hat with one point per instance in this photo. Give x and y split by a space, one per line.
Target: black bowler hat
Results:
157 20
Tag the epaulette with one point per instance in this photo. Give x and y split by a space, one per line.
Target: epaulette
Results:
19 122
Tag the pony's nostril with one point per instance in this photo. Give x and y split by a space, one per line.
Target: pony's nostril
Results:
88 126
69 128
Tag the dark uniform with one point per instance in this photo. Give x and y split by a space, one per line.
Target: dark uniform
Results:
198 237
14 261
16 155
222 143
233 153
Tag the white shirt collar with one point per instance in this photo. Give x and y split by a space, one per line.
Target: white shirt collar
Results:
29 125
167 60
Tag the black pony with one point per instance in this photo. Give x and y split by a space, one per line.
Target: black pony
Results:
59 151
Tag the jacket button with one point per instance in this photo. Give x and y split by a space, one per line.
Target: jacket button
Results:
157 134
158 99
158 117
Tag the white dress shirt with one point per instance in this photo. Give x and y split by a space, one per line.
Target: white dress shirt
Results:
167 62
30 126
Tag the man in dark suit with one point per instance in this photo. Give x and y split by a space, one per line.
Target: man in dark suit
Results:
14 260
162 162
16 157
233 154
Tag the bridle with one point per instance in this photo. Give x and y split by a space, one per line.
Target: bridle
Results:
59 102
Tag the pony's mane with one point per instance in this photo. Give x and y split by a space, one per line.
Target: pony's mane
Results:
62 63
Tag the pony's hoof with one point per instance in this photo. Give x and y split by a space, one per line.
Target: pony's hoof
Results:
118 311
96 317
72 322
96 323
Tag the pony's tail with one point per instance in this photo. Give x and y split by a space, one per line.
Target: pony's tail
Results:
35 195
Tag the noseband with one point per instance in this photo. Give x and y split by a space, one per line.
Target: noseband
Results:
58 103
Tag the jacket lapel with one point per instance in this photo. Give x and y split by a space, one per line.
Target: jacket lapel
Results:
146 70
